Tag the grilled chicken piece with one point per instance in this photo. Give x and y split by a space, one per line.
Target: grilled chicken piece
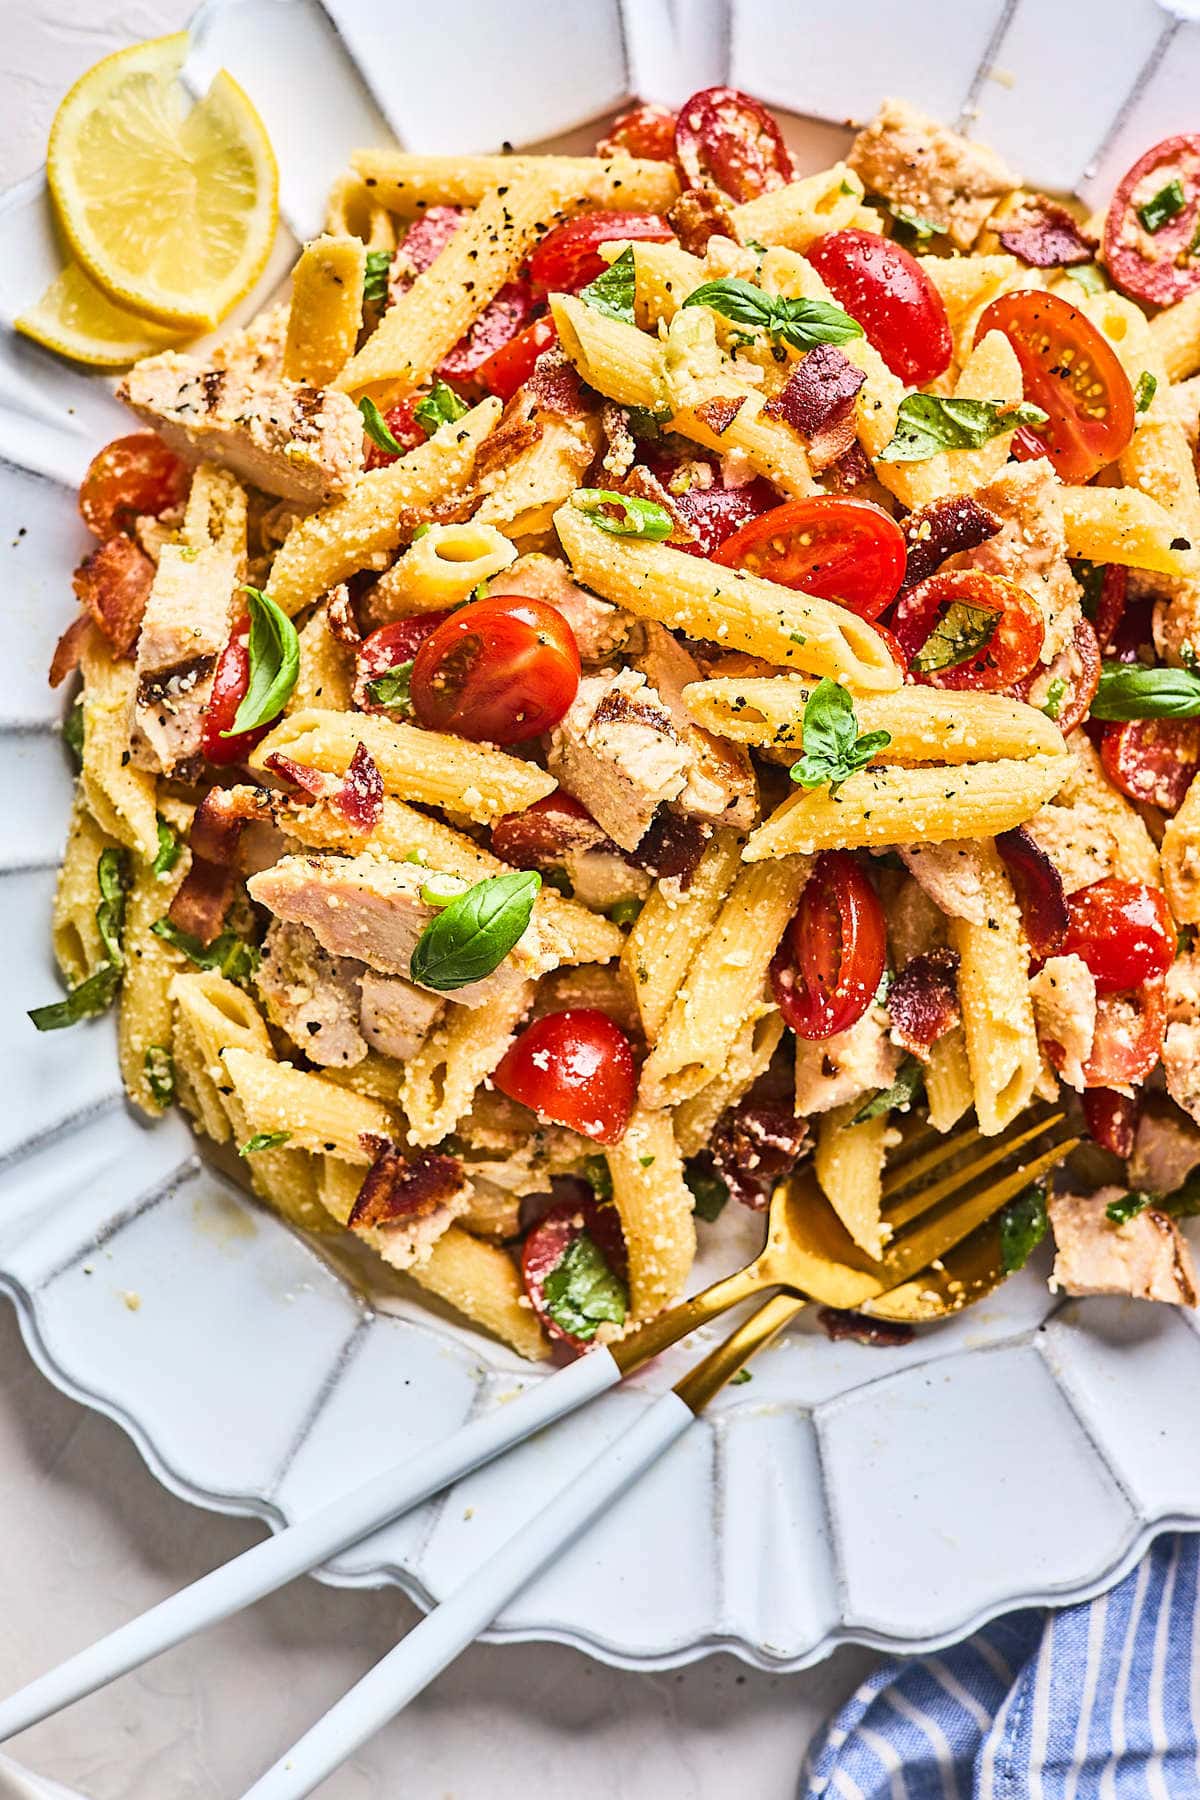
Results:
1166 1148
1147 1257
618 753
928 170
1181 1045
396 1016
952 876
1030 547
312 996
720 783
840 1068
188 619
1064 1001
299 442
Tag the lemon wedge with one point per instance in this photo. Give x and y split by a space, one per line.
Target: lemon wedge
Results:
76 319
169 207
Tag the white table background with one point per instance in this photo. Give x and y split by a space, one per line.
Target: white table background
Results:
87 1536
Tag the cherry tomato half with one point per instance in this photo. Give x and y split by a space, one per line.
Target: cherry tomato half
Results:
497 671
547 1244
1122 930
725 139
388 648
715 512
1009 655
827 969
1111 600
510 367
404 426
568 257
1152 759
646 131
500 321
229 687
878 283
832 546
1157 267
1129 1036
132 475
1076 670
1072 372
573 1068
1111 1119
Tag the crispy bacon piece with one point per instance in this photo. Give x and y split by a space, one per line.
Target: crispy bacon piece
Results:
755 1144
204 898
1044 235
672 846
700 214
555 385
397 1190
545 832
1039 890
881 1334
941 529
719 414
818 402
923 1000
114 584
360 798
69 649
341 617
850 470
519 429
309 784
212 881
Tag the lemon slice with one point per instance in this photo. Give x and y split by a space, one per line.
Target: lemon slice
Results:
76 319
170 207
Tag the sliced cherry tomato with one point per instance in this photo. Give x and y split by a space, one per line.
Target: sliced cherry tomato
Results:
832 546
725 139
1153 759
1077 671
1156 267
132 475
568 257
1011 652
497 671
1129 1036
404 426
713 512
424 242
500 321
1111 1119
547 1244
828 968
1072 372
573 1068
1123 932
646 131
878 283
1112 596
388 648
229 687
509 367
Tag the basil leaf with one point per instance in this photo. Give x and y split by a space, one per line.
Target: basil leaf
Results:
375 277
1129 691
95 995
392 688
376 427
441 406
959 635
598 1175
638 518
263 1140
1145 390
1162 206
97 992
709 1192
800 323
112 875
1023 1224
228 954
169 848
274 664
473 934
914 232
159 1066
910 1080
832 747
1090 576
930 423
582 1293
612 292
1119 1212
72 733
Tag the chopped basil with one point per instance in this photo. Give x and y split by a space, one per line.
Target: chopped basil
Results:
1163 206
1023 1225
582 1293
1090 277
228 954
96 993
441 406
708 1190
473 934
159 1067
1144 391
1129 691
961 633
1055 693
741 1378
598 1175
800 323
833 749
612 291
169 848
1090 576
930 423
376 427
392 688
375 278
274 664
910 1079
914 232
1184 1203
263 1140
72 732
1119 1212
637 518
93 996
112 876
624 912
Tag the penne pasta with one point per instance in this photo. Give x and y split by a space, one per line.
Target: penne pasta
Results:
655 1208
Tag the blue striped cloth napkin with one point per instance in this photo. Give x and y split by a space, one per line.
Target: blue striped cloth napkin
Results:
1096 1702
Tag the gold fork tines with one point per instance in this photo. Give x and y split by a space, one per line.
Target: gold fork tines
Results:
906 1175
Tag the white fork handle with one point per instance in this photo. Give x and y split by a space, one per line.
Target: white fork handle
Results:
458 1621
310 1542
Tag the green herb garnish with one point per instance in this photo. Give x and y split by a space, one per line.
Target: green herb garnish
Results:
1144 390
598 1175
377 428
96 993
228 955
274 664
1129 691
582 1293
375 277
962 632
799 323
1090 277
624 912
910 1080
72 733
1119 1212
169 848
473 934
708 1190
930 423
635 518
393 688
1055 694
441 406
1023 1225
833 750
741 1378
612 291
1163 206
263 1140
159 1067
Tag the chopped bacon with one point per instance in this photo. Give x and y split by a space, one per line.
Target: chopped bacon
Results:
923 1000
851 469
818 402
1039 890
360 798
672 846
881 1334
69 649
519 429
1044 235
397 1190
941 529
545 832
309 784
341 618
114 584
700 214
555 385
210 884
754 1145
205 897
718 415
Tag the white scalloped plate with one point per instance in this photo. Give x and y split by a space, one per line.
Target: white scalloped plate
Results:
1020 1454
